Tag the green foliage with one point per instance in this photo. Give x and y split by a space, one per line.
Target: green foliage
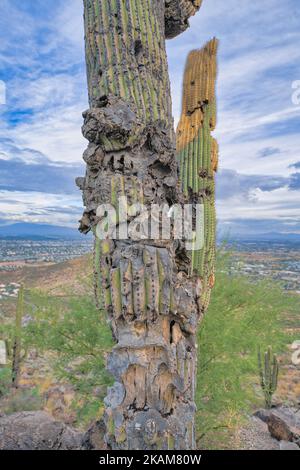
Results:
13 335
90 410
22 400
242 316
5 381
268 373
78 338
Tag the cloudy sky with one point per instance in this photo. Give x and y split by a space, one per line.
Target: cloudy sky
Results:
42 67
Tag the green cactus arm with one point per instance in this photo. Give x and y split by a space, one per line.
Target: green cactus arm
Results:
268 373
275 373
118 35
197 152
17 342
260 369
97 273
268 368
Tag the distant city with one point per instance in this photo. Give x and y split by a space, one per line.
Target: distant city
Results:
14 254
277 260
264 259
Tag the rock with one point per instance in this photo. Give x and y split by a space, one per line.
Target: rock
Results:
255 436
37 431
263 415
94 437
284 445
115 395
284 424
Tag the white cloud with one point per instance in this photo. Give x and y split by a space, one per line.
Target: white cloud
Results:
36 207
263 205
259 58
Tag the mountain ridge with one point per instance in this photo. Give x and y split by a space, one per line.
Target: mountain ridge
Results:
25 230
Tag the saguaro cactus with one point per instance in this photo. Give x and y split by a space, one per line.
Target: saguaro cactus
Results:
268 372
153 298
197 151
17 356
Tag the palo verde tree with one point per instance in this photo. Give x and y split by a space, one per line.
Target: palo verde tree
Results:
155 290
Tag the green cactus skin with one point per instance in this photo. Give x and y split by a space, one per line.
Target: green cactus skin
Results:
195 154
97 273
118 32
268 371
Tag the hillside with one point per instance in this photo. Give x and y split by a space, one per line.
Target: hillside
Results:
68 338
57 278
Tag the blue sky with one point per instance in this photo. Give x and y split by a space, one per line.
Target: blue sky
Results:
42 66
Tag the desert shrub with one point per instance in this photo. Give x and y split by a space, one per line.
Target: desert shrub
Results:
22 400
242 317
5 381
78 338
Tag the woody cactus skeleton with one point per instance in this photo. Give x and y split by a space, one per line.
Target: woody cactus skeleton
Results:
153 298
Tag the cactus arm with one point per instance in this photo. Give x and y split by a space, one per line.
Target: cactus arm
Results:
17 359
97 273
268 373
197 152
261 371
8 348
275 374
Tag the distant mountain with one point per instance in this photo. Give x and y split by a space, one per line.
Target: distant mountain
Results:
31 231
23 230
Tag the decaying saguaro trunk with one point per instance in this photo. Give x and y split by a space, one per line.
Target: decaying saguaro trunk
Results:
153 299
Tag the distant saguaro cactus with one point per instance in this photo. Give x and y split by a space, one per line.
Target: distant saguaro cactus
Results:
268 372
152 288
17 356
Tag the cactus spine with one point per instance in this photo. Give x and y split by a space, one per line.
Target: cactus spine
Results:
152 297
17 356
268 372
197 152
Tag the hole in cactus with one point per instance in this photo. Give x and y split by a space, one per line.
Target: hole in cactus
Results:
112 163
171 331
203 173
138 47
94 172
160 170
103 101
